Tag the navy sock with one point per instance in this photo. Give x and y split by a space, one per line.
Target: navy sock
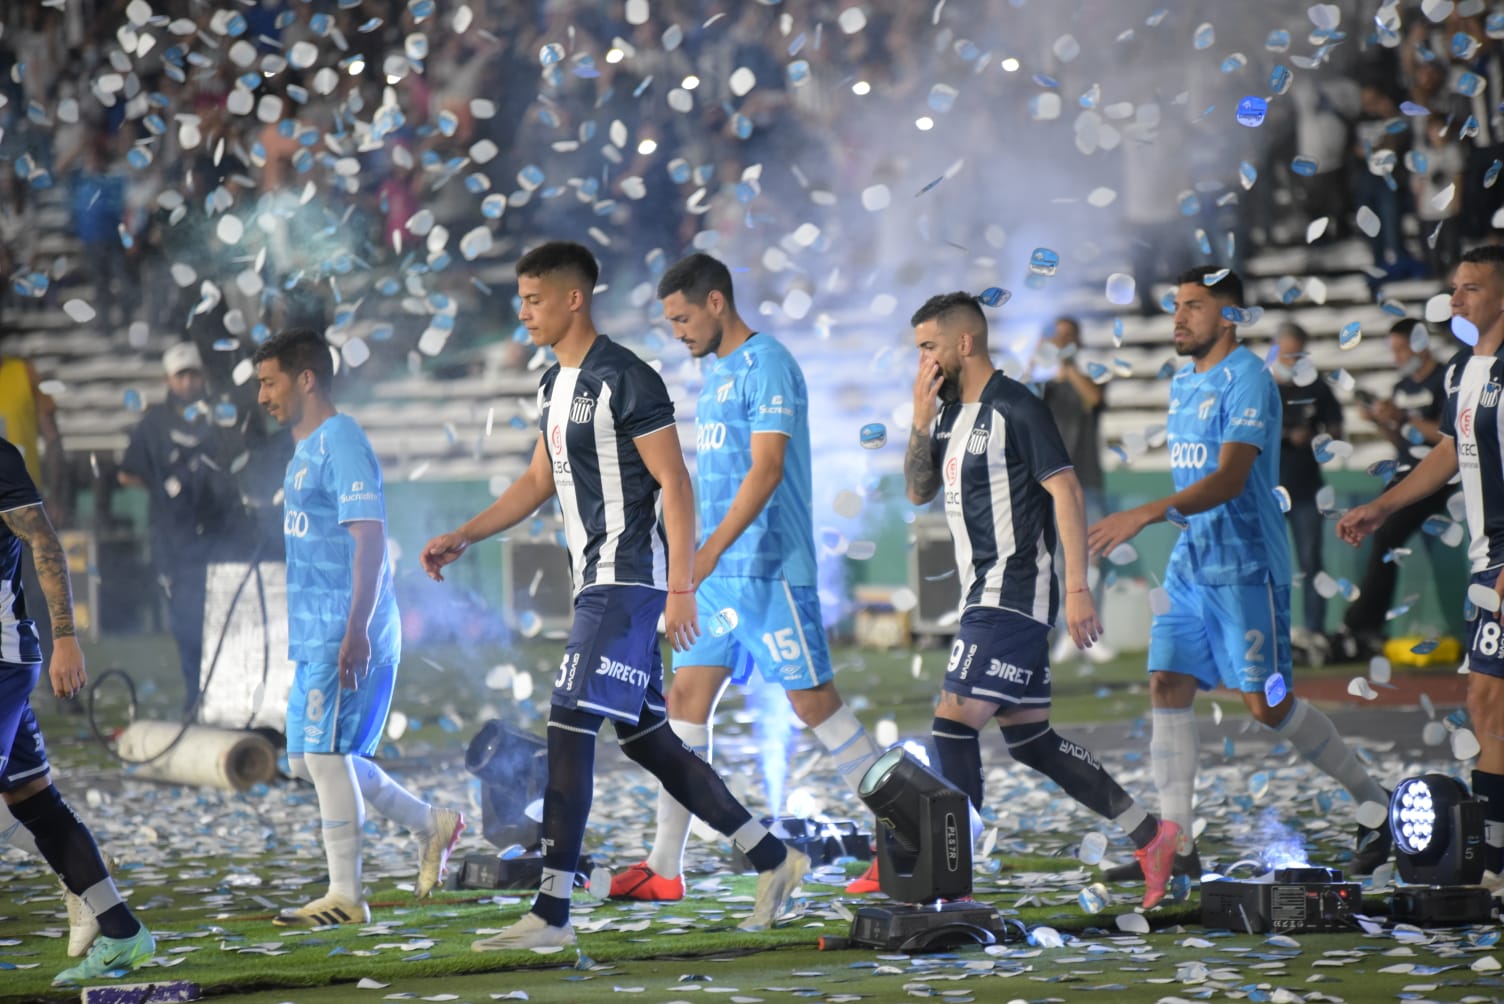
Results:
691 780
1081 775
69 848
960 755
566 807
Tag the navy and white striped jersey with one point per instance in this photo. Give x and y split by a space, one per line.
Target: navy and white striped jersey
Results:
1471 418
18 635
992 456
589 416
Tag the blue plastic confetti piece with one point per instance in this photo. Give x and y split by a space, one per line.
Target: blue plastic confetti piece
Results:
1278 41
1251 111
1280 78
996 296
1043 261
873 436
1304 166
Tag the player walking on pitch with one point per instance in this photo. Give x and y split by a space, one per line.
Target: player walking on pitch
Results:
1009 485
1228 578
756 557
342 628
607 447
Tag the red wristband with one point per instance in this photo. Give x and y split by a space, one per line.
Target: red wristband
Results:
681 592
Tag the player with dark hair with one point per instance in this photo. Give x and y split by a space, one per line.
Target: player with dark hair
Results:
57 835
1472 443
1009 489
1228 578
756 556
343 630
607 448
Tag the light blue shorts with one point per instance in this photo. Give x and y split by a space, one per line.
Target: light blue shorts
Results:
1232 636
323 717
762 623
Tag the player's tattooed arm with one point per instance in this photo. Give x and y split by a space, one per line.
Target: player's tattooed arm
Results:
919 472
32 526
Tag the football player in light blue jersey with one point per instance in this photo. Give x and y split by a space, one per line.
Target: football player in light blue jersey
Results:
1228 578
342 628
756 555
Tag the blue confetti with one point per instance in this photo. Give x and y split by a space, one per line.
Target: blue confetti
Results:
1251 111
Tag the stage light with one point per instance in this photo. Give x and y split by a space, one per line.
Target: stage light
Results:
1438 831
924 863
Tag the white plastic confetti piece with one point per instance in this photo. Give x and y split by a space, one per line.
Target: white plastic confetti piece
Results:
1133 923
1316 228
1372 814
1465 744
78 311
886 733
876 198
1122 554
1483 597
1379 669
1359 686
1159 601
903 599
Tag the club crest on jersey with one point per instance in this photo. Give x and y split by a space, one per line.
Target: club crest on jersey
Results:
582 410
1490 398
723 392
1204 410
978 440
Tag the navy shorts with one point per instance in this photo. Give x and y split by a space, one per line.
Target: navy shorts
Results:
23 754
1002 657
612 664
1485 646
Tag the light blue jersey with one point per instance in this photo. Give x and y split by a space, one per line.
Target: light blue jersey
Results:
333 479
1242 542
757 388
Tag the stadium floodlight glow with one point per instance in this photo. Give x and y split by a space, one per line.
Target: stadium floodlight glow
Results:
1438 831
923 863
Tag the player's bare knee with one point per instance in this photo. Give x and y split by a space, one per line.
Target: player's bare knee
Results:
695 692
1171 690
1485 706
815 704
22 792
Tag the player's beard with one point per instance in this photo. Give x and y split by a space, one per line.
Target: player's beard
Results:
950 386
713 343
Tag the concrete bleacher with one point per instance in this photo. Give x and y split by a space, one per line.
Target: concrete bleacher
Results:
435 428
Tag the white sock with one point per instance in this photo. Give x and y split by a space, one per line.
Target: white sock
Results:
386 796
1314 736
102 896
667 856
13 834
1172 759
343 814
848 744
